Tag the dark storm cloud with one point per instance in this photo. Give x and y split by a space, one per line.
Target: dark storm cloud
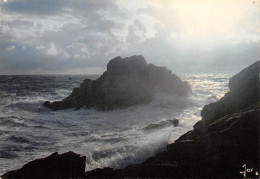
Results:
82 36
86 8
26 60
34 7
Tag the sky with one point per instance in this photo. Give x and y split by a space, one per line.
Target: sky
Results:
81 36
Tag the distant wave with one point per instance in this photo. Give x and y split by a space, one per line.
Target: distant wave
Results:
12 121
18 139
169 101
29 104
8 155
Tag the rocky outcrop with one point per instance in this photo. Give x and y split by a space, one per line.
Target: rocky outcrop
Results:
160 125
66 165
244 91
224 140
127 81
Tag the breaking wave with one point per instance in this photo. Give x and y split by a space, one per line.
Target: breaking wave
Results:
107 138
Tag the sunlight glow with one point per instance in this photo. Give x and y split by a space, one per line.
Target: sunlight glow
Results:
203 17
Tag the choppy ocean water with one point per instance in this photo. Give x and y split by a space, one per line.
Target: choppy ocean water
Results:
112 138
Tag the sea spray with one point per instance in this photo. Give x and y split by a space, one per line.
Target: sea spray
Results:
108 139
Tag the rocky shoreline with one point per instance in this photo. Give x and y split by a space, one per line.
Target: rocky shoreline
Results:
127 81
224 140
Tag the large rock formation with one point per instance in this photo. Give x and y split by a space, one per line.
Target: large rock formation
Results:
224 140
244 90
127 81
67 165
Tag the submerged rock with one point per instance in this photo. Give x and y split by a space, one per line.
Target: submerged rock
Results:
163 124
127 81
66 165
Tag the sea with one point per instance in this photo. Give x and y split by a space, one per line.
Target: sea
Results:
117 138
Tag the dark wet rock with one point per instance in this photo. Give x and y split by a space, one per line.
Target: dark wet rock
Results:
66 165
47 104
127 81
157 126
225 139
247 76
244 91
100 172
175 122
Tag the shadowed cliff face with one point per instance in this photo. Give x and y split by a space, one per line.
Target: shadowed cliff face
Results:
127 81
244 91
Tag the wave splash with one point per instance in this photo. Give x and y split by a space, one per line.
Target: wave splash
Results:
111 138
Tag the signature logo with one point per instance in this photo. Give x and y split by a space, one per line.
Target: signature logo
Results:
248 170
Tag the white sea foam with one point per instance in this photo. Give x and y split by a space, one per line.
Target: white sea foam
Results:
107 138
